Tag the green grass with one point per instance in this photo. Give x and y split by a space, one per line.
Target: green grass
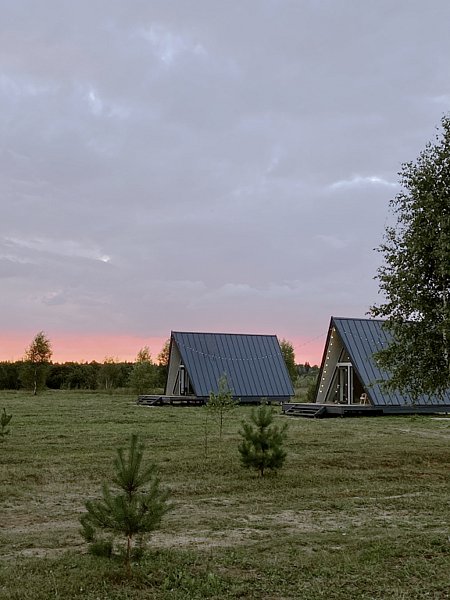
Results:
361 509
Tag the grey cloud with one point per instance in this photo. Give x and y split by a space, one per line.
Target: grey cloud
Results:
207 164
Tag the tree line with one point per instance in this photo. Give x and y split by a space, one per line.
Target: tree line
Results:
36 371
109 375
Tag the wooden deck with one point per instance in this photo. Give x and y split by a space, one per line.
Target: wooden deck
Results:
318 411
162 400
149 400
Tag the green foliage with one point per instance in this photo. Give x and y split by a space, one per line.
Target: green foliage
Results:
36 364
311 390
305 385
144 375
163 356
109 374
40 349
104 548
221 403
163 364
415 276
4 422
10 375
134 508
144 356
143 378
262 445
33 376
287 350
68 375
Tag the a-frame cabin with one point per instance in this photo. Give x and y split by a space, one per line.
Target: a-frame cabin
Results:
351 383
252 364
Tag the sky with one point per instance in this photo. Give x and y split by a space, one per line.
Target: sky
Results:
204 165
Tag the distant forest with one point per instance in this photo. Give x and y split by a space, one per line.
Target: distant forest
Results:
78 376
108 376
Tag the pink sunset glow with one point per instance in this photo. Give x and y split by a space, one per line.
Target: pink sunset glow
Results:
82 348
87 348
308 350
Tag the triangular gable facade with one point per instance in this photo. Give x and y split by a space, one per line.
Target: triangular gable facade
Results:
349 374
253 365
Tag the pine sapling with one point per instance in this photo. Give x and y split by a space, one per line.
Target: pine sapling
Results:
262 445
133 508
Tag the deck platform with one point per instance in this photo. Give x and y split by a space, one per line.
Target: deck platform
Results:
318 411
161 400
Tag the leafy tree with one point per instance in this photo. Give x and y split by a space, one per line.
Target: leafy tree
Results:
143 377
287 350
4 422
36 363
144 355
163 356
133 508
262 444
415 276
221 403
163 363
109 374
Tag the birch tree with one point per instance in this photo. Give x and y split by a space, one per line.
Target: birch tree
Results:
415 276
36 363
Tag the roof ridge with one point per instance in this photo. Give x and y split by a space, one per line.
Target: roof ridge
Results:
225 333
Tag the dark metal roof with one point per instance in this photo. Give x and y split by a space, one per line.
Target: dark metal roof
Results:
253 364
362 338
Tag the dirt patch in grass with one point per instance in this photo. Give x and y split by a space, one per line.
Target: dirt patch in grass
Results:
25 531
442 434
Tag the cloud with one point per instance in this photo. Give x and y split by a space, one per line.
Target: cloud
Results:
66 248
232 292
168 45
359 182
228 166
332 241
55 298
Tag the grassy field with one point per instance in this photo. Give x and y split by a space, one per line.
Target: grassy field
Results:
361 509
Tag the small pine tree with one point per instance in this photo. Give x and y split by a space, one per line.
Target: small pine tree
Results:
134 509
262 444
4 422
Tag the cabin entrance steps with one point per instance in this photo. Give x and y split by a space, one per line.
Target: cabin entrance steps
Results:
308 411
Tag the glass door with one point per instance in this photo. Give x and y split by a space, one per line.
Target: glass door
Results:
345 385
